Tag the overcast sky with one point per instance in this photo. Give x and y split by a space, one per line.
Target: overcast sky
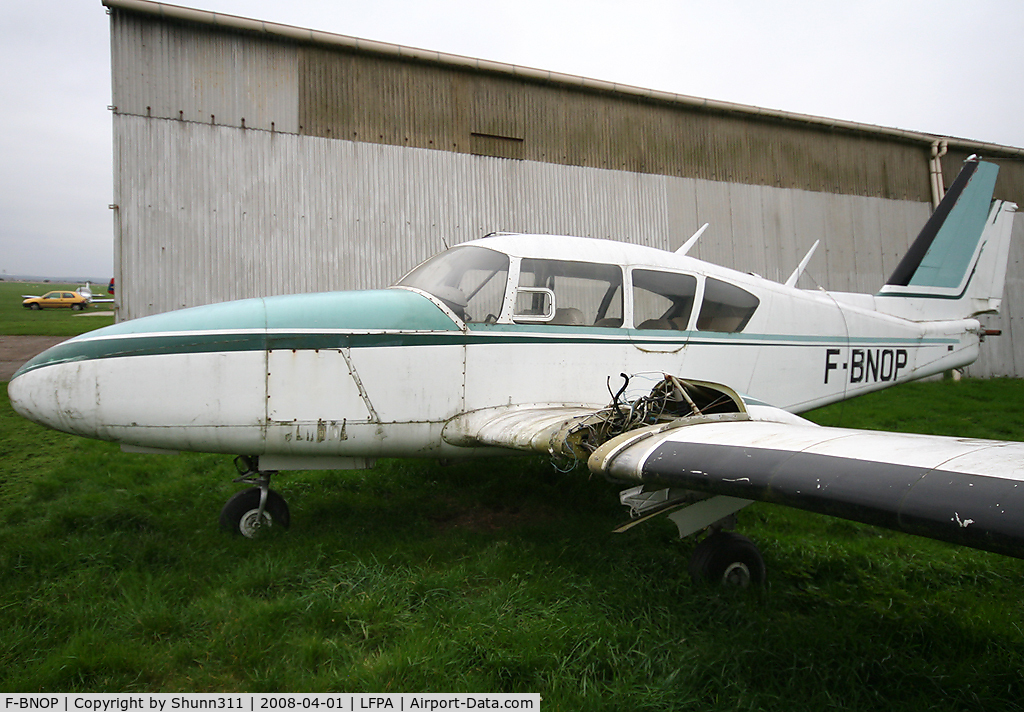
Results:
936 66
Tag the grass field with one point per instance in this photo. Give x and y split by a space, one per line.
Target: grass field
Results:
497 575
16 320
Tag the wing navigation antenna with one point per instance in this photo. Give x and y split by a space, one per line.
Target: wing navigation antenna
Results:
791 282
692 241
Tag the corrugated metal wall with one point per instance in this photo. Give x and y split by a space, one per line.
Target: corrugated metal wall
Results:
168 70
210 213
436 107
248 165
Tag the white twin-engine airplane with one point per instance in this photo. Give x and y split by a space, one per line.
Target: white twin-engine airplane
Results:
517 343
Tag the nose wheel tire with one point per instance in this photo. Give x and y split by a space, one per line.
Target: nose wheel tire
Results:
241 513
727 559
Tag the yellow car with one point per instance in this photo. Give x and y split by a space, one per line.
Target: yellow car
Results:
57 299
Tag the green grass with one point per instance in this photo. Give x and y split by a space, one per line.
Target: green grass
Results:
16 320
495 575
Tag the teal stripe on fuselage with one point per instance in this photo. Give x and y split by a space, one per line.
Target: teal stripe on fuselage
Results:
506 333
391 309
374 310
373 319
105 345
144 345
243 325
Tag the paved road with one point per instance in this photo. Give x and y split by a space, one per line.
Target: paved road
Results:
16 350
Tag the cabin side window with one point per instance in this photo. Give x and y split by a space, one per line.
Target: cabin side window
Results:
726 307
662 300
568 293
470 280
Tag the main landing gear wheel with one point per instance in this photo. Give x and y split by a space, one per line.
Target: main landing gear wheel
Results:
728 559
241 515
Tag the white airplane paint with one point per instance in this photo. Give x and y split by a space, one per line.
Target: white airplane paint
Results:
86 291
512 342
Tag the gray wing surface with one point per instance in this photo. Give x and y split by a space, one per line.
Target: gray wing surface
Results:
968 492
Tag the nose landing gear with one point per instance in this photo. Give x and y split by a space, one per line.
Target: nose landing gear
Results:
256 509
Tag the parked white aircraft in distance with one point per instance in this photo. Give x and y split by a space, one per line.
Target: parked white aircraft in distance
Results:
517 343
86 292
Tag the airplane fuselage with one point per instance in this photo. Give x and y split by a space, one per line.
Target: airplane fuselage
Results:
347 377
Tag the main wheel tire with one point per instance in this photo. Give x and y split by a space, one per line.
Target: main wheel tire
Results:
727 559
239 515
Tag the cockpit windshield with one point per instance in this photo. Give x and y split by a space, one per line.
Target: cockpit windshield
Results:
469 279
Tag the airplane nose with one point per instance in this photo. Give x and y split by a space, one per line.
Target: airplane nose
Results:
50 390
252 376
154 381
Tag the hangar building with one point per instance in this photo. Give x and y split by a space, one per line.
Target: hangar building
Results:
253 159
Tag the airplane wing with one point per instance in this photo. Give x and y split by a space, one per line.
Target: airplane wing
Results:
964 491
574 431
703 445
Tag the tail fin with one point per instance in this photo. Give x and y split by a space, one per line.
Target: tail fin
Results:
957 265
